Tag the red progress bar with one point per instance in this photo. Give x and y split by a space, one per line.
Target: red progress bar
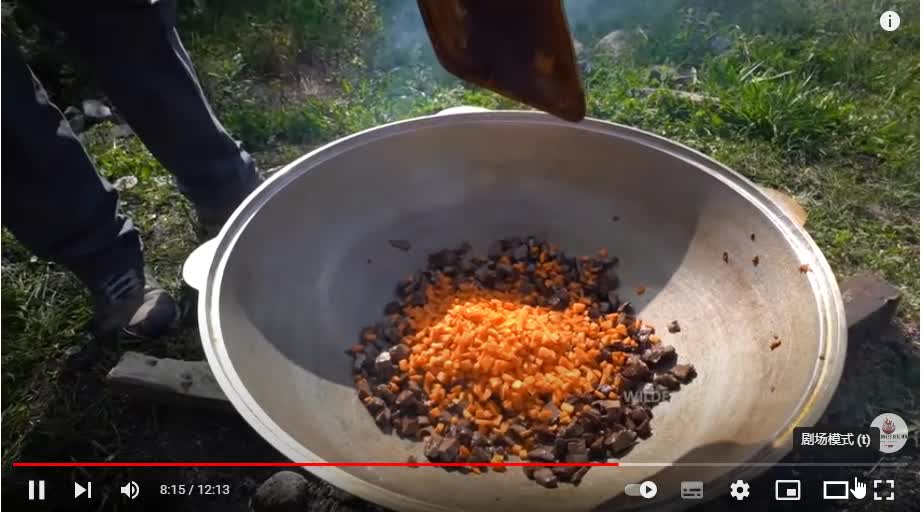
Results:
307 464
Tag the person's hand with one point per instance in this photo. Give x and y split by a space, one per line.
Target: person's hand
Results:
860 490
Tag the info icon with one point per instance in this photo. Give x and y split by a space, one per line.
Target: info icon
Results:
890 21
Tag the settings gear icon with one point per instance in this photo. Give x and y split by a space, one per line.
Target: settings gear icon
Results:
739 490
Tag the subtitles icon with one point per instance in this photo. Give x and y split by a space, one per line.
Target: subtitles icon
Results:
787 490
692 490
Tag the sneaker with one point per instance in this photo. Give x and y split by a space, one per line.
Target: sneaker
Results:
133 305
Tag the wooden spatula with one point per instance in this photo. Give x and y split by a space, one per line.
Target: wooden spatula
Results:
521 49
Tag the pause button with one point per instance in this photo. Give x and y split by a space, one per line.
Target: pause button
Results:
36 490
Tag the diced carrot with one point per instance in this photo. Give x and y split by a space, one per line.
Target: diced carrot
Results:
498 459
504 359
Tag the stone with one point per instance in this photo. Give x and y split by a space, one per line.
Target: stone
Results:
720 44
122 130
870 303
125 183
687 78
96 110
168 381
662 73
615 44
77 123
693 97
285 491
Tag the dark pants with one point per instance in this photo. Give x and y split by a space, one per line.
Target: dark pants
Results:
53 199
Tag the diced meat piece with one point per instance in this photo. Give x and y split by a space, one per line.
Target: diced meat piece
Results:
617 442
448 449
443 258
406 400
684 372
408 426
635 369
667 380
374 404
363 388
382 391
384 367
577 477
431 447
565 473
546 478
399 353
658 354
543 454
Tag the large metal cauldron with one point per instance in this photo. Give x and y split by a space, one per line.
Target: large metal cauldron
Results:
305 262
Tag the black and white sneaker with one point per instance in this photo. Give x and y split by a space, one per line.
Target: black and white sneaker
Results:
135 306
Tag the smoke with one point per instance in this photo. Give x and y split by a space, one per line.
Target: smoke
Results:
405 41
592 19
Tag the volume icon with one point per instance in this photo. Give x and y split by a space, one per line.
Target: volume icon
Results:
130 489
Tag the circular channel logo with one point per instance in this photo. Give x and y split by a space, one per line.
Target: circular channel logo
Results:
893 432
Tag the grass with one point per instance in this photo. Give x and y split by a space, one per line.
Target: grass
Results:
824 106
830 116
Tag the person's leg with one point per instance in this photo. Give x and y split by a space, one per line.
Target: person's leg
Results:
56 204
148 75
